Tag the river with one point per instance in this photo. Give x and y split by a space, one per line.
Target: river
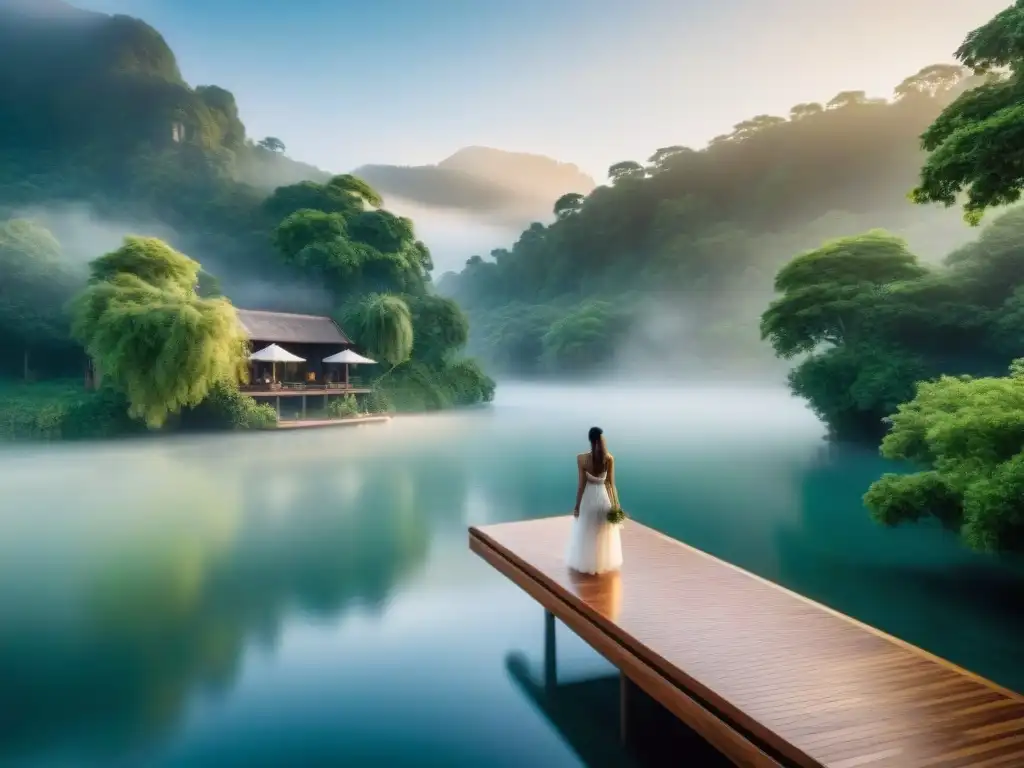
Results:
308 597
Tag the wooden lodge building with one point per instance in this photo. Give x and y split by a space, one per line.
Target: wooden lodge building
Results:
312 337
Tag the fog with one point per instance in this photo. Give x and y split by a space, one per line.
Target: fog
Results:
85 234
453 235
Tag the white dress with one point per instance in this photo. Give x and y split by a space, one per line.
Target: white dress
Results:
594 545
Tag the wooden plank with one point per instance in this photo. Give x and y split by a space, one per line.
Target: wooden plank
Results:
303 392
724 738
794 681
324 423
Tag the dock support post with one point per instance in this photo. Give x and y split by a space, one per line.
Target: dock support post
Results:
278 407
627 697
303 406
550 663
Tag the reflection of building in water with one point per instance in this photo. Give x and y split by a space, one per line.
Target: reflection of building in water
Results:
154 586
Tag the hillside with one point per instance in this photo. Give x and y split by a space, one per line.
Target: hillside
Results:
512 186
670 263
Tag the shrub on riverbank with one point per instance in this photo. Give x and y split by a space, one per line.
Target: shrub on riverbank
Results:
63 409
225 408
343 408
967 434
419 387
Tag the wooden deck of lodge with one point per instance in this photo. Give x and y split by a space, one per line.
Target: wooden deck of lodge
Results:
767 677
302 390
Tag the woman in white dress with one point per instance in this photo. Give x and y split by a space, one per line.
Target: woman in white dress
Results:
595 546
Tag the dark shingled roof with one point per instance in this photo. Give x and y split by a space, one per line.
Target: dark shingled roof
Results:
295 329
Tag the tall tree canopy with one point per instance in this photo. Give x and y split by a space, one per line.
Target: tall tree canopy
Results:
831 292
150 334
977 143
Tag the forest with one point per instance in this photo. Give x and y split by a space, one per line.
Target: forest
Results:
678 253
94 112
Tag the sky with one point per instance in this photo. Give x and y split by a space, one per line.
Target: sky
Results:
592 82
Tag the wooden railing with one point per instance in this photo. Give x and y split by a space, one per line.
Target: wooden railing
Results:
302 386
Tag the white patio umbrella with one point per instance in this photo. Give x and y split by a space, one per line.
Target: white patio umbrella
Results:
274 355
347 358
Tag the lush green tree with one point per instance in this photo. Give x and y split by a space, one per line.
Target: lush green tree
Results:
440 328
627 169
967 434
149 333
354 251
382 325
585 337
831 293
871 322
934 80
272 144
568 204
34 288
975 144
515 336
356 189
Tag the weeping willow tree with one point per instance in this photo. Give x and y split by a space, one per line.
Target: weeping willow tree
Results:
382 325
151 335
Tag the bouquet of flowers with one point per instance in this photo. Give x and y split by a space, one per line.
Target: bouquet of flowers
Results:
616 516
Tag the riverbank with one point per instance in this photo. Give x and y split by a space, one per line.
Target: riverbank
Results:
57 410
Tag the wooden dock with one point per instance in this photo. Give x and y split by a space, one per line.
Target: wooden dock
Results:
767 677
326 423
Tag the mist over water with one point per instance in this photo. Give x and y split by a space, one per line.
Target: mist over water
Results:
308 597
454 235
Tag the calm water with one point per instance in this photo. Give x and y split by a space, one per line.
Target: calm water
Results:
309 599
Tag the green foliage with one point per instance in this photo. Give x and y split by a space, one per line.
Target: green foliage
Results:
417 387
871 322
99 414
34 288
382 325
378 402
225 408
150 335
853 389
702 231
831 293
968 435
441 328
62 409
98 113
332 238
585 337
975 144
343 408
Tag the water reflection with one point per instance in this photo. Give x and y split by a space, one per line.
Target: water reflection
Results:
254 599
917 582
165 587
602 593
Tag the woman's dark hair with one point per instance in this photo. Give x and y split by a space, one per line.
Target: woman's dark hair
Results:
597 449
